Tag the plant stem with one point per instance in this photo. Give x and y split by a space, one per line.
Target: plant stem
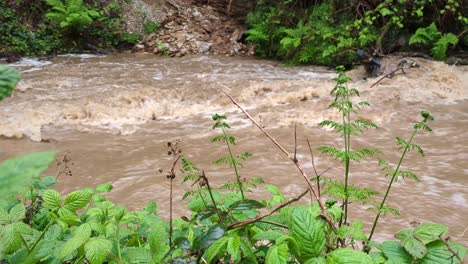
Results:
117 240
41 236
25 243
395 173
211 196
347 151
239 183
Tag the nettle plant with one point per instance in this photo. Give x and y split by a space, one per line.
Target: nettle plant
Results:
39 225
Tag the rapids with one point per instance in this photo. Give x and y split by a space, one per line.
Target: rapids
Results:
114 114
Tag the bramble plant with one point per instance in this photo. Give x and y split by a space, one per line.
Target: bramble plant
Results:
39 225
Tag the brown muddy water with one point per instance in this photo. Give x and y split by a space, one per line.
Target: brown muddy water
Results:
113 116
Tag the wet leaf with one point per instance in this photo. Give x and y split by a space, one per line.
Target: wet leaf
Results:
246 205
208 238
348 256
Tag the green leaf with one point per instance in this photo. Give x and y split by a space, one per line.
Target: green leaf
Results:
270 235
82 234
77 200
277 254
97 250
233 246
273 189
10 239
206 239
136 255
308 232
348 256
317 260
415 247
46 182
18 172
395 252
216 249
430 232
17 213
9 77
437 253
245 205
52 199
159 243
4 217
106 187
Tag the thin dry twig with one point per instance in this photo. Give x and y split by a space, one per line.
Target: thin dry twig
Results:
298 165
455 254
295 144
260 217
175 151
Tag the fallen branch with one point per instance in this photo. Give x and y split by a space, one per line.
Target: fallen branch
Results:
400 67
260 217
292 158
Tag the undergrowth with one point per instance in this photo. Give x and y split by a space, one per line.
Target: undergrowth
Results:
330 32
54 26
225 225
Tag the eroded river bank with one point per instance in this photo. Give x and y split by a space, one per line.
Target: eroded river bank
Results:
114 114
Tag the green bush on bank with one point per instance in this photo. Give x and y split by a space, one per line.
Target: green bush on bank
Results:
329 32
39 225
54 26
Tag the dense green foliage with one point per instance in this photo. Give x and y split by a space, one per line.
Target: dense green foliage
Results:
329 32
31 27
39 225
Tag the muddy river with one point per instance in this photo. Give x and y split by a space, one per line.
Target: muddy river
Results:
113 115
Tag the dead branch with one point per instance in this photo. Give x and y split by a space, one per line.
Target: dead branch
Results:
260 217
298 165
393 73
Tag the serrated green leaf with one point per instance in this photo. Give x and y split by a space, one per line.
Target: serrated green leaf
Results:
308 231
395 252
277 254
415 247
270 235
106 187
97 250
77 200
430 232
437 253
81 236
136 255
158 241
233 246
317 260
11 239
216 249
18 172
52 199
47 249
17 213
348 256
4 217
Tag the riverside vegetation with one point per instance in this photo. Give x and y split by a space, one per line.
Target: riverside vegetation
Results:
29 27
39 225
329 32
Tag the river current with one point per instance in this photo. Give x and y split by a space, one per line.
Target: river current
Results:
113 116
